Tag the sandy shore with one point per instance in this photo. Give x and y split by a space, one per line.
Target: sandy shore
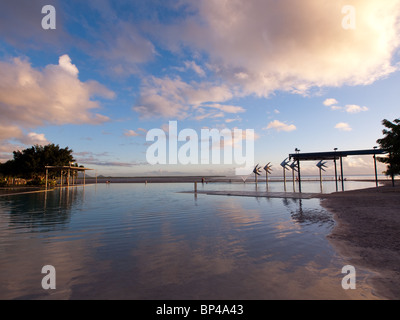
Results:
368 233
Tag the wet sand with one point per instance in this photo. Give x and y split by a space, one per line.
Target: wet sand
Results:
367 233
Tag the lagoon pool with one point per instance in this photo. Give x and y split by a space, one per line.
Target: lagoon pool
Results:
136 241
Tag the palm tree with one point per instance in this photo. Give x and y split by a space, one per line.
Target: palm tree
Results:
391 144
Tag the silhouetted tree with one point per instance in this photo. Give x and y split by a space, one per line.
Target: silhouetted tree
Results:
30 163
391 144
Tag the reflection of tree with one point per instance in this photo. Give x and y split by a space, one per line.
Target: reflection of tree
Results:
42 212
308 215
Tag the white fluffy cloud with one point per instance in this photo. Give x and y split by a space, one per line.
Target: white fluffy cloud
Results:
174 98
268 45
330 102
343 126
33 138
352 108
280 126
32 97
257 47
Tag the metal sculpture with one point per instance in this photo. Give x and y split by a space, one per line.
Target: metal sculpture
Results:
321 165
284 165
268 170
257 171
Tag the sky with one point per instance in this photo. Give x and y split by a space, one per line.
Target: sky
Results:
97 76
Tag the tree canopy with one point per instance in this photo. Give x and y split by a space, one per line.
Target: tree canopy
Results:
391 144
30 163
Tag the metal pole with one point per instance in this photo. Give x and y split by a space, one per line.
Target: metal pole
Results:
376 172
68 178
294 183
284 178
84 178
195 187
320 178
298 166
337 188
341 170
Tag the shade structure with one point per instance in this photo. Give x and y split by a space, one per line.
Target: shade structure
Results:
69 169
335 155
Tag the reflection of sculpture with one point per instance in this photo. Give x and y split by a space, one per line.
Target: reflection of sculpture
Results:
256 171
294 167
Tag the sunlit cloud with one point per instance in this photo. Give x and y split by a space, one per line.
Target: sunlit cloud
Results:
280 126
131 133
352 108
32 97
342 126
174 98
330 102
306 47
34 138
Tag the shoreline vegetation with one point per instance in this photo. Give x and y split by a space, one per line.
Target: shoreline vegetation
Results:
367 224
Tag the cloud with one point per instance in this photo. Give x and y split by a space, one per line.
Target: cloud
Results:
20 25
330 102
10 131
131 133
226 108
195 67
280 126
31 97
266 45
34 138
65 63
174 98
100 159
121 47
342 126
352 108
230 120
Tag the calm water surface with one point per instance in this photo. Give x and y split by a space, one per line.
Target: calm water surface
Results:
131 241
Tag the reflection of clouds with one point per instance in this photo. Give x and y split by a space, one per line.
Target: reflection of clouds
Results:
236 214
21 275
34 233
230 248
285 228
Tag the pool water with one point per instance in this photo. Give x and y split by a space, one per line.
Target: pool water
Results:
136 241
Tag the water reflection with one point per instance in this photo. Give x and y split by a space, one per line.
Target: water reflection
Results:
138 242
42 212
310 215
